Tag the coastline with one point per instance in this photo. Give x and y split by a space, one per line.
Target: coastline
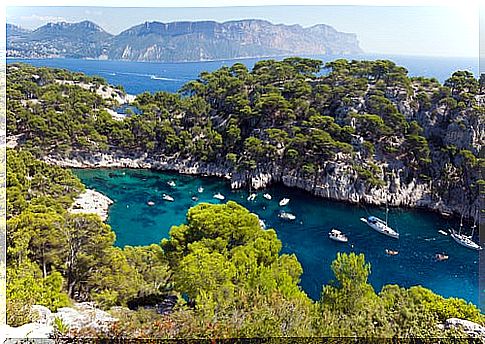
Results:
91 202
340 185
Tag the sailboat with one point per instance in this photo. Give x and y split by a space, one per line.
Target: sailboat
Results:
465 240
380 225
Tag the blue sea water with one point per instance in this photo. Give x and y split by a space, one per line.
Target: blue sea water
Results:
138 77
137 223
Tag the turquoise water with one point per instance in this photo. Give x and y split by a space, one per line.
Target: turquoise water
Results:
136 223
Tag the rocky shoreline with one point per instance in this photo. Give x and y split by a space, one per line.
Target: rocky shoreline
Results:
91 202
338 182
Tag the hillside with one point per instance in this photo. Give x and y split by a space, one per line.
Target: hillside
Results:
180 41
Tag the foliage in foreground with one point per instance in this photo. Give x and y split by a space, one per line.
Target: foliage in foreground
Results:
227 272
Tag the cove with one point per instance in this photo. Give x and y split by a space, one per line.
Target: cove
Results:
136 223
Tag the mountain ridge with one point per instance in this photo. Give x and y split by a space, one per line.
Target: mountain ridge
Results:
179 41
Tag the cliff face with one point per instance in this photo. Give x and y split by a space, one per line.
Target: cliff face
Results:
181 41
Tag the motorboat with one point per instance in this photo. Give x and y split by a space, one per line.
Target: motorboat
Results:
195 198
442 232
262 224
286 216
251 197
337 235
391 252
166 197
171 183
219 196
284 202
440 257
267 196
151 203
200 189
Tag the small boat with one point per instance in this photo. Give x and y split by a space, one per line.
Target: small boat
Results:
195 198
219 196
442 232
380 226
171 183
391 252
167 198
262 224
440 257
337 235
200 189
251 197
284 202
286 216
267 196
151 203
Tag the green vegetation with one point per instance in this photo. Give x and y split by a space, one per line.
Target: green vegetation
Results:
226 271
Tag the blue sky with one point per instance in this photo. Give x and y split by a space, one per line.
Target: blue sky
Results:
410 30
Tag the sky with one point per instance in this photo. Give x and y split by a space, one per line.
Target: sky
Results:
400 30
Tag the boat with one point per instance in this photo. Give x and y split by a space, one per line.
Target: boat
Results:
195 198
171 183
391 252
200 189
286 216
262 224
465 240
251 197
442 232
440 257
380 225
219 196
167 198
267 196
337 235
284 202
151 203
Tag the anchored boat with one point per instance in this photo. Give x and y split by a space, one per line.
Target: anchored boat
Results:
284 202
337 235
267 196
380 225
167 198
219 196
286 216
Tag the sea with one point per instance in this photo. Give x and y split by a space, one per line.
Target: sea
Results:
137 223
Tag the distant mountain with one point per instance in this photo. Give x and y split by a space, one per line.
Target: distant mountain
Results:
77 40
180 41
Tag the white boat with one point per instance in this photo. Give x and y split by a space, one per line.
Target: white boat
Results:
219 196
151 203
171 183
262 224
195 198
442 232
267 196
391 252
284 202
465 240
167 198
200 189
286 216
337 235
251 197
380 226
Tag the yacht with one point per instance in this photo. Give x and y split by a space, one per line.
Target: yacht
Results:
337 235
286 216
219 196
284 202
167 198
267 196
463 239
380 226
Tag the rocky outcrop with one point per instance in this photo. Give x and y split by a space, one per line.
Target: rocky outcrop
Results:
91 202
338 181
81 316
